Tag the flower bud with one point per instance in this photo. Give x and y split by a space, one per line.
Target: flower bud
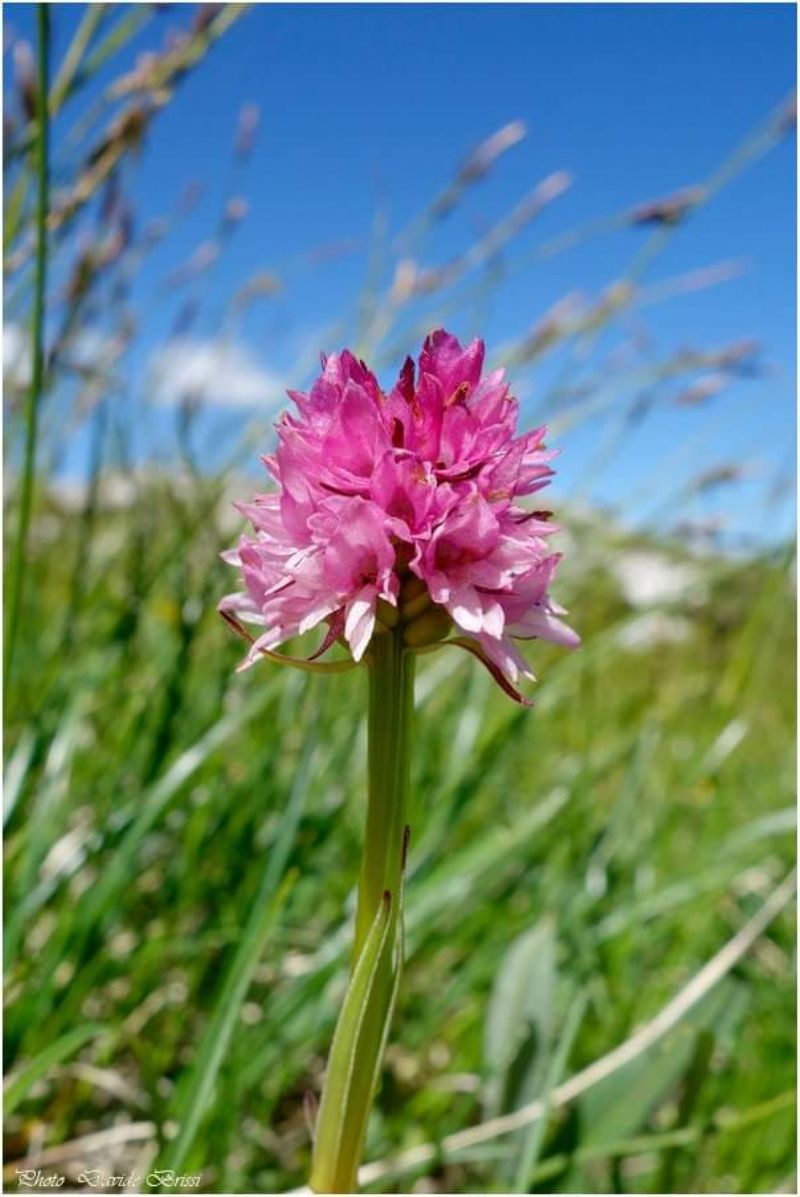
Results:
414 599
434 624
410 589
387 614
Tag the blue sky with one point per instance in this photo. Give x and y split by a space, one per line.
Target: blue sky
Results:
367 107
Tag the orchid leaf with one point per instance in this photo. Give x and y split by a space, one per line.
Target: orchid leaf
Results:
356 1054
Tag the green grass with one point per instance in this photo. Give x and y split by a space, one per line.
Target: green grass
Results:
184 846
183 842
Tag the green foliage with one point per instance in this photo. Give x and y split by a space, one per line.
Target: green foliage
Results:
182 841
621 804
519 1019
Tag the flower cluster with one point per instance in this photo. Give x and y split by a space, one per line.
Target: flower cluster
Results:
400 508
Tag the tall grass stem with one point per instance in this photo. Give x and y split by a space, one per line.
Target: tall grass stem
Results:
37 339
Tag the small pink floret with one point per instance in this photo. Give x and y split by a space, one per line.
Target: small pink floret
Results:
423 479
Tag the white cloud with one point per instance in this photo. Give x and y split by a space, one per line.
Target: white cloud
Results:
222 373
88 350
16 357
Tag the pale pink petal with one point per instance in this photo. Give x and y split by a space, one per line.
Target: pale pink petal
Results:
507 656
466 608
360 622
542 625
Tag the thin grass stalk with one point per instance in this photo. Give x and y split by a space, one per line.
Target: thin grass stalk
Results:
37 338
69 74
86 527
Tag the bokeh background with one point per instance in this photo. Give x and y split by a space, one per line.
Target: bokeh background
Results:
606 193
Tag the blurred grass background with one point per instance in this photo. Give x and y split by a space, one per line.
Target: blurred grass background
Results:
182 843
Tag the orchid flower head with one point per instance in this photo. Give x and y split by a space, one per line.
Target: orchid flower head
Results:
402 510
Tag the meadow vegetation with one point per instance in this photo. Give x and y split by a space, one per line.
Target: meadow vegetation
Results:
182 841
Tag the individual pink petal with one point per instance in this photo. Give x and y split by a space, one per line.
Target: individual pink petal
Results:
507 657
443 357
360 621
544 626
472 646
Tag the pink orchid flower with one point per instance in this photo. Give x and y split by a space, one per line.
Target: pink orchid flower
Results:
402 508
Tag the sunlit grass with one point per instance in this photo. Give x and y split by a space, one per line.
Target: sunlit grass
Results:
182 842
642 807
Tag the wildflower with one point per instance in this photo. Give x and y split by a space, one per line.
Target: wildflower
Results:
416 487
396 523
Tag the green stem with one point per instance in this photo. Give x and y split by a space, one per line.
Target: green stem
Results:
69 75
37 338
391 708
363 1026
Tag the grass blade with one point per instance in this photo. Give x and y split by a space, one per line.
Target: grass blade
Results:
19 1084
534 1137
37 340
67 77
226 1011
193 1099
